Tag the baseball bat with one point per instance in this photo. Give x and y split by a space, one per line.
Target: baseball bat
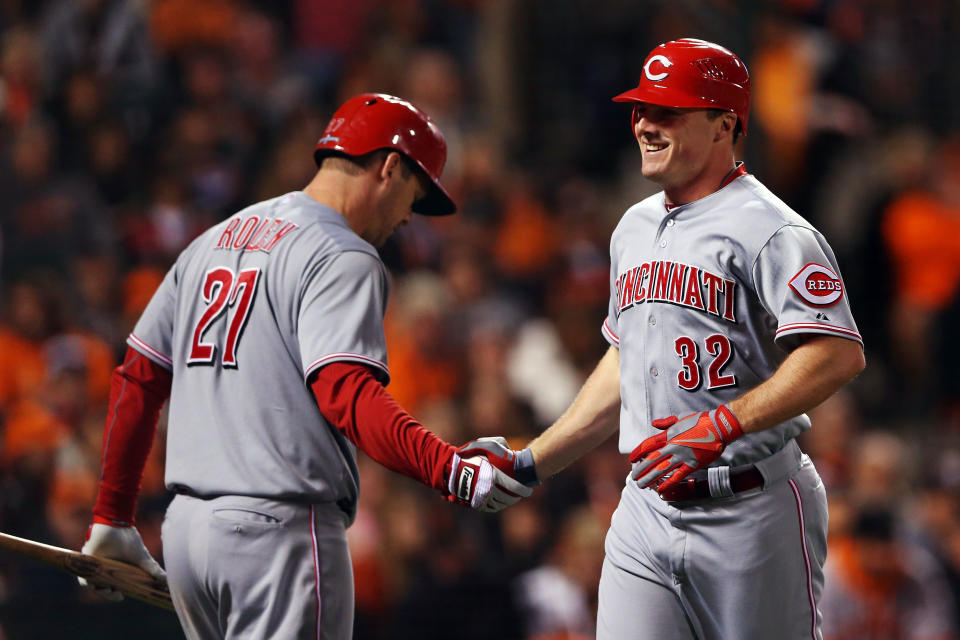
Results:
126 578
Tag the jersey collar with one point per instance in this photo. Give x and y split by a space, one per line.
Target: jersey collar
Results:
738 171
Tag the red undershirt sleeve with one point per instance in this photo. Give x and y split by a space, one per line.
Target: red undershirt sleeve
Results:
357 405
138 389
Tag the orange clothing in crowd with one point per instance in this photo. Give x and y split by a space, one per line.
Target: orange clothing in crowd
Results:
526 242
99 360
31 428
22 367
139 285
922 236
416 376
178 24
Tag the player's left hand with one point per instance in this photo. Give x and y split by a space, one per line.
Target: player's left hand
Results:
118 543
482 476
685 445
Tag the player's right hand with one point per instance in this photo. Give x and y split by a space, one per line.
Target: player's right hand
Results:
118 543
516 464
685 445
478 481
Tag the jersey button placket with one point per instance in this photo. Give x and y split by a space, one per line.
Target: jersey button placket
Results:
653 333
653 338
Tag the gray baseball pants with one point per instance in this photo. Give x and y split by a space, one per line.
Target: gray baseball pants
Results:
242 567
746 567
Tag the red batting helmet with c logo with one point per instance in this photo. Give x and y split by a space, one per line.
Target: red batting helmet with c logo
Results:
691 73
372 121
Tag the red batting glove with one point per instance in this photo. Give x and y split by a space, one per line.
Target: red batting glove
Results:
470 481
686 444
483 475
516 464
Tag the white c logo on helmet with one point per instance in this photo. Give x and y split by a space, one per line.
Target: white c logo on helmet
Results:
659 76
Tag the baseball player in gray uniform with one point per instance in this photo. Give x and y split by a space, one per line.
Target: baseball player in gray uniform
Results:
727 320
267 336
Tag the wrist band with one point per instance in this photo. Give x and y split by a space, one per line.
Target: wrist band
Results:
718 480
523 468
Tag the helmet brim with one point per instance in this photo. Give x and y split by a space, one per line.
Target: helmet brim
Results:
437 202
666 97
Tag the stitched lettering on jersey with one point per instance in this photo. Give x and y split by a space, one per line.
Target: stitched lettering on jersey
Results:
253 234
677 283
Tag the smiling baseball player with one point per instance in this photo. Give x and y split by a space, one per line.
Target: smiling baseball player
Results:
267 336
727 320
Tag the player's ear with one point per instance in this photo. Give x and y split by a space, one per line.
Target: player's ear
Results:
392 164
726 124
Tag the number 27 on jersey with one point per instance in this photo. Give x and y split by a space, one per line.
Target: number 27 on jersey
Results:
224 293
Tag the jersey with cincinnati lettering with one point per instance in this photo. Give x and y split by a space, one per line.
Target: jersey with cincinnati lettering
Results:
247 312
707 300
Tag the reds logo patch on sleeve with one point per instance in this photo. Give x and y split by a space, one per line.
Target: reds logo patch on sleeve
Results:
817 285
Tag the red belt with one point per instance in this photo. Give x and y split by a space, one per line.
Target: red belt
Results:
699 489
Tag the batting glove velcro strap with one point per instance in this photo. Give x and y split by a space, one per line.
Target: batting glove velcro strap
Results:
118 543
524 469
685 445
516 464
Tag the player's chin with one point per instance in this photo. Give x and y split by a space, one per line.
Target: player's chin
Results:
655 161
652 170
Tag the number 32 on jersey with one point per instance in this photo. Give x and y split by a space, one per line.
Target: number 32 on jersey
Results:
690 376
223 290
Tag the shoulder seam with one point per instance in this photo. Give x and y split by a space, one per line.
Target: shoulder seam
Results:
770 237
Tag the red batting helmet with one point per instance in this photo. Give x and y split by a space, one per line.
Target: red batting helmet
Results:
372 121
691 73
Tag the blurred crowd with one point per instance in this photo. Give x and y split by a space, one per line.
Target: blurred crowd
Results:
128 126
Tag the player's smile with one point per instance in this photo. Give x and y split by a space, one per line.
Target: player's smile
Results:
650 124
649 149
656 153
674 145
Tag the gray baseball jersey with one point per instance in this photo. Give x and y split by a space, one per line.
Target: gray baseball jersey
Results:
705 301
248 311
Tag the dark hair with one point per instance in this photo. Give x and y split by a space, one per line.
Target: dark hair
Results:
358 164
713 114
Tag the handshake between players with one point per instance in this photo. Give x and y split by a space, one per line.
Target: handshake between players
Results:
487 475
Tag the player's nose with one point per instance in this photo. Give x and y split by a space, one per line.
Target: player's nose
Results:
642 126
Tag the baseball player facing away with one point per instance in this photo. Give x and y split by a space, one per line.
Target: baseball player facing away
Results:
727 320
267 336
